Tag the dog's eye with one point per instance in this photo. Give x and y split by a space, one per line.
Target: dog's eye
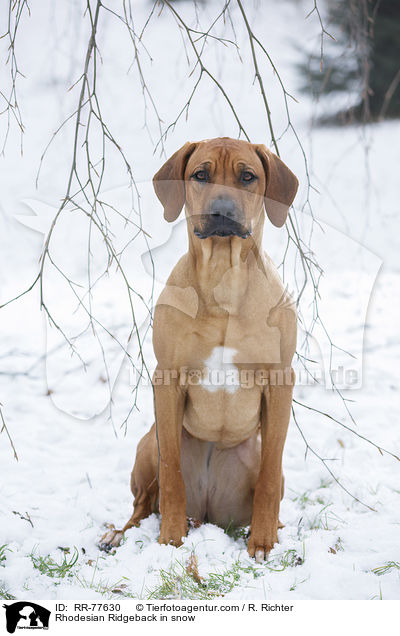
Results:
247 177
200 175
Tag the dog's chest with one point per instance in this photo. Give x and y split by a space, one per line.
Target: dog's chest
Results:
240 342
225 381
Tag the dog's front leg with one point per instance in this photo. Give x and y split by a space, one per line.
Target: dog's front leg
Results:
169 407
275 415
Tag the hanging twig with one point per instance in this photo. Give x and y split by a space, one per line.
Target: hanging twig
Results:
4 429
12 110
324 462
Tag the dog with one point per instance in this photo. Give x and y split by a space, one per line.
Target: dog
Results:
224 338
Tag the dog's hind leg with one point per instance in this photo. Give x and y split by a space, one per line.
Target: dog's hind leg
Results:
144 486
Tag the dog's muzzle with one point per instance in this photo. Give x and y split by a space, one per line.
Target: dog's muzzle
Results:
223 219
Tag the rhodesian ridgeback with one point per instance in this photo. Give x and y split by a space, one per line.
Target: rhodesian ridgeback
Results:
224 339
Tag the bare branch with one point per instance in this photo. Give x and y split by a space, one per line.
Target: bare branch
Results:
4 429
324 462
11 109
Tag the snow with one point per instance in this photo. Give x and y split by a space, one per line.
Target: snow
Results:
75 447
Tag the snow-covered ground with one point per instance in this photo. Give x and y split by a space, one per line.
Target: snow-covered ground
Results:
74 458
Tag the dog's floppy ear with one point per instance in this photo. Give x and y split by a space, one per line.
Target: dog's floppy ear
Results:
281 186
169 182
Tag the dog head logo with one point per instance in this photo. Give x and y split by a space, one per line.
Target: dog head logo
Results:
26 615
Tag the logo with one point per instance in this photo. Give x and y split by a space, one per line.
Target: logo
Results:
26 615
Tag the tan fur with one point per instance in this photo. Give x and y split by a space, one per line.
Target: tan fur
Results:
216 453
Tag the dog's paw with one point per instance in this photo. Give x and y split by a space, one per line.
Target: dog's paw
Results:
173 533
111 539
260 545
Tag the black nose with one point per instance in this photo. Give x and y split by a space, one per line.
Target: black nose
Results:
223 207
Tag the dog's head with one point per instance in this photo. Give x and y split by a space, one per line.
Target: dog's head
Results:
225 184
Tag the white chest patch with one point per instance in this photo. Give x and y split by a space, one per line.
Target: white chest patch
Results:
219 371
